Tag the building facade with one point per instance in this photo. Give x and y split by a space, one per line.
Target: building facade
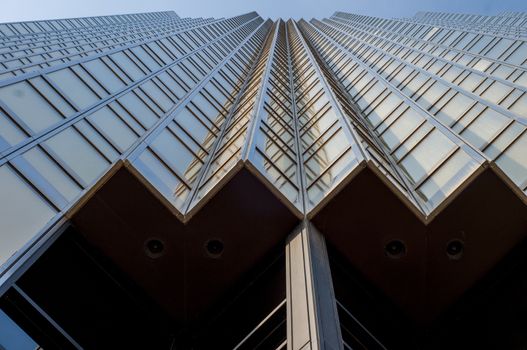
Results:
239 183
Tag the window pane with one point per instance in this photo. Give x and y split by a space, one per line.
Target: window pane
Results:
13 337
162 178
514 160
401 128
175 154
29 106
78 154
72 86
426 155
23 212
113 127
138 109
447 178
484 128
9 131
127 65
104 75
47 168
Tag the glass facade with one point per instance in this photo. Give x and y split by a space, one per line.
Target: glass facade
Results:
427 104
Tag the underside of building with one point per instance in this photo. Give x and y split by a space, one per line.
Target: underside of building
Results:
188 183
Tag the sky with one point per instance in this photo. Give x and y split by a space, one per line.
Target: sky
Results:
22 10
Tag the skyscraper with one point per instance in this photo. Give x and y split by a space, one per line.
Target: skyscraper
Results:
176 183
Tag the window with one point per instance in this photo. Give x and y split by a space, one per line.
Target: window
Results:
174 154
162 178
426 155
484 128
49 169
73 87
127 65
111 125
104 75
447 178
401 128
9 131
451 112
138 109
78 154
23 212
29 106
514 161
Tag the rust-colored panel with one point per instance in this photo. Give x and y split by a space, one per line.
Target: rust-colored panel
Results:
486 217
244 215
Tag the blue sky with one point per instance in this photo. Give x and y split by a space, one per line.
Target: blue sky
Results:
19 10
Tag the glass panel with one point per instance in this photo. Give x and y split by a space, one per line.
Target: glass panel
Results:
47 168
174 153
78 154
484 128
138 109
157 95
454 109
514 160
426 155
112 126
145 58
326 154
12 337
127 65
496 92
29 106
73 87
104 75
520 106
504 140
54 98
23 212
401 128
432 94
162 178
95 138
380 112
9 131
174 87
195 128
447 178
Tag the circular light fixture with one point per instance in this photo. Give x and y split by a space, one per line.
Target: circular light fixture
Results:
395 249
214 248
154 248
455 248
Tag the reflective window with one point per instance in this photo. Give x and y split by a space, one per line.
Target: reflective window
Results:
426 155
29 106
23 212
401 128
12 337
447 178
104 75
73 87
162 178
127 65
454 109
9 131
514 161
49 169
484 128
78 154
112 126
138 109
175 154
58 101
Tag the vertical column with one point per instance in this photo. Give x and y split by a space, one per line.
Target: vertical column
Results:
312 320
